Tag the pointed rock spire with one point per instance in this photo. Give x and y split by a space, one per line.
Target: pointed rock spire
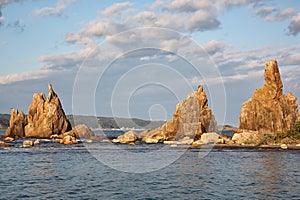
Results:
269 110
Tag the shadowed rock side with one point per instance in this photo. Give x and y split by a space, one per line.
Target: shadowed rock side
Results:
17 123
269 110
191 118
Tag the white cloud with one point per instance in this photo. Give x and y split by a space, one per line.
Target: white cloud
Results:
263 12
57 10
188 5
24 76
294 26
4 2
280 16
213 47
116 8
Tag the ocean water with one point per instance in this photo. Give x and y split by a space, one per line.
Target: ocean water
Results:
57 171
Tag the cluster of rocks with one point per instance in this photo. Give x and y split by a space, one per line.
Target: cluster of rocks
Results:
46 119
191 119
268 111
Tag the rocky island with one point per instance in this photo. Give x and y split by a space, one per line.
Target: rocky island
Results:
269 118
46 119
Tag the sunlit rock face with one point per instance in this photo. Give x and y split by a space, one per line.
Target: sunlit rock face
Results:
269 110
191 118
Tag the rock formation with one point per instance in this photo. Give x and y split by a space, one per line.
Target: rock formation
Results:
127 138
269 110
17 123
191 118
46 116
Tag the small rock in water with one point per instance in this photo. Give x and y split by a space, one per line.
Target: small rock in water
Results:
37 141
89 141
283 146
68 140
27 143
5 144
9 139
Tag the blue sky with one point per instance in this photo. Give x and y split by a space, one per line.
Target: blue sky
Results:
70 42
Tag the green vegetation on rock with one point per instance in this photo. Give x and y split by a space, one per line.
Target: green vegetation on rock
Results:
290 136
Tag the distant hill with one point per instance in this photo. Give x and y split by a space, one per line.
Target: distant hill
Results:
110 122
104 122
4 121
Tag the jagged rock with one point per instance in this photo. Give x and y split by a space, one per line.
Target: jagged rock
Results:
17 123
126 138
46 116
191 118
83 131
68 140
269 110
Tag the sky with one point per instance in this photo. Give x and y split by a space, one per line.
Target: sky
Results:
140 58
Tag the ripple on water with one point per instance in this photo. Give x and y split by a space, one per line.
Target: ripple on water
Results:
72 172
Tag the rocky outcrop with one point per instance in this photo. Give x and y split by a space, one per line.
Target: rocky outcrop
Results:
17 123
191 118
46 116
269 110
126 138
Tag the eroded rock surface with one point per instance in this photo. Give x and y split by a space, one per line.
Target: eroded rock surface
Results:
269 110
17 123
191 118
46 116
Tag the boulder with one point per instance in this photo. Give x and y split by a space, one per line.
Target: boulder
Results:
17 123
207 138
83 131
46 116
27 143
246 137
191 118
68 140
126 138
269 110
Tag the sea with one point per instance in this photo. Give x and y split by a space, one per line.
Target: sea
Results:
102 170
